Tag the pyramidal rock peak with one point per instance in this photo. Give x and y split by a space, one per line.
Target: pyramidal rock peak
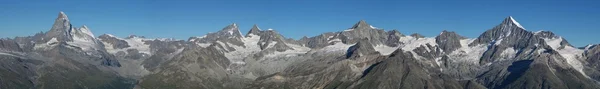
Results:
361 23
254 30
62 16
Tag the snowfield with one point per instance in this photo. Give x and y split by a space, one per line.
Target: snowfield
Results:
573 55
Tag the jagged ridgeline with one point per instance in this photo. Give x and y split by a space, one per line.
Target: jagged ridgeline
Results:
506 56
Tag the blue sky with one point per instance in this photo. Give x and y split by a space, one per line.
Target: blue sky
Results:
576 20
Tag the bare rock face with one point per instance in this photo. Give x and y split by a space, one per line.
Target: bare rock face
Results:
449 41
113 41
270 41
429 51
592 57
363 47
417 35
191 65
545 70
320 40
162 51
393 39
352 35
254 30
592 51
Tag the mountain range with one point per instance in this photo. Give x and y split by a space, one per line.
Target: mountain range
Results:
506 56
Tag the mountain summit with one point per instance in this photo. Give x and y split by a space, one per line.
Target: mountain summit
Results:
449 41
362 30
60 29
510 33
230 32
511 22
361 24
254 30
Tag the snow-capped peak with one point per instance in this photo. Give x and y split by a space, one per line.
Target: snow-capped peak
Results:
84 29
201 36
111 35
514 22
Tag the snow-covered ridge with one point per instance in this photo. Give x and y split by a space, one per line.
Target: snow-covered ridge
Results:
199 37
194 39
385 50
515 22
338 46
83 38
372 27
348 30
84 29
52 42
572 54
537 32
411 42
466 53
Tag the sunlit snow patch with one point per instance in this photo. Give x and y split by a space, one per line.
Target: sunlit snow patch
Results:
134 43
385 50
570 53
52 42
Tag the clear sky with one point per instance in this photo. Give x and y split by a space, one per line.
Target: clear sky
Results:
576 20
